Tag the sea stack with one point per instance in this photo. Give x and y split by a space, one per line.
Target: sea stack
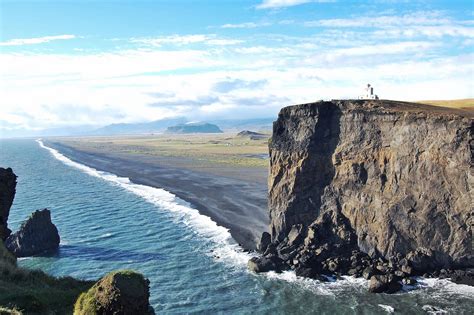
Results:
371 187
119 292
7 194
36 235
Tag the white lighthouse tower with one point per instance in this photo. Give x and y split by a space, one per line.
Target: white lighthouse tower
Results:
369 94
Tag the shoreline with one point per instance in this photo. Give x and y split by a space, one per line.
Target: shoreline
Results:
233 203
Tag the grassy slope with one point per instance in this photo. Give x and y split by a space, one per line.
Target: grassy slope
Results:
467 103
35 292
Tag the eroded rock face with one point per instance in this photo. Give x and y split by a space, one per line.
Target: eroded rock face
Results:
400 173
36 235
7 194
119 292
382 185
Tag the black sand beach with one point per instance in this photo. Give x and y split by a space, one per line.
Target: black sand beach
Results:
233 198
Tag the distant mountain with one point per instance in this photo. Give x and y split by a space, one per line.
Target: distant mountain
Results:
194 128
137 128
258 124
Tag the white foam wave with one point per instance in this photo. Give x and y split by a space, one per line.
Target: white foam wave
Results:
445 286
387 308
225 249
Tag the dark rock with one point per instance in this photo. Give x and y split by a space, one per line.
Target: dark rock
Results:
409 281
463 277
264 264
7 193
421 259
271 250
37 235
334 163
384 284
407 269
120 292
265 240
295 237
368 273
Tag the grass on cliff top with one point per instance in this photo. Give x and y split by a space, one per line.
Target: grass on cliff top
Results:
33 291
467 103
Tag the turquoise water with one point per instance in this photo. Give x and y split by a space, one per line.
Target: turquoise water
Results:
107 223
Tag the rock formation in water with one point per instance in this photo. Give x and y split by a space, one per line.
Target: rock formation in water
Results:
7 193
119 292
36 235
370 188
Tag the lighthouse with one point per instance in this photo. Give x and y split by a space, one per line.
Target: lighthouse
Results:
369 94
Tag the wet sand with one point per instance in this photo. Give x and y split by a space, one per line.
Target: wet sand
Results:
235 198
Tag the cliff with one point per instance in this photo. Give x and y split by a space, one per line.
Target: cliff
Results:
392 180
7 193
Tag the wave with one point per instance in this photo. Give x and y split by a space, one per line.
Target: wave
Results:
225 247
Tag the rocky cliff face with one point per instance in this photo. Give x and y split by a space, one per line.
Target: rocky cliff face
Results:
399 175
36 235
7 194
389 179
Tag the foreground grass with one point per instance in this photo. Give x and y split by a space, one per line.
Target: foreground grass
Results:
33 291
467 103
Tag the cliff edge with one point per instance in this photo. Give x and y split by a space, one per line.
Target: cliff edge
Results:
390 180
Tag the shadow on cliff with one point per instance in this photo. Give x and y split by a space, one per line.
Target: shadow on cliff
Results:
310 137
318 170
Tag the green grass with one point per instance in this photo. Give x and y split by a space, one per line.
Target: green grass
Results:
110 285
33 291
467 103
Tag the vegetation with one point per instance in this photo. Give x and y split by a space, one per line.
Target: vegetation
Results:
123 290
225 149
33 291
467 103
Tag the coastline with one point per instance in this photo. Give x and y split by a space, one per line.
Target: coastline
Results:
234 203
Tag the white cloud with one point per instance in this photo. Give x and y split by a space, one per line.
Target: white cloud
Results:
182 40
415 24
176 75
246 25
273 4
36 40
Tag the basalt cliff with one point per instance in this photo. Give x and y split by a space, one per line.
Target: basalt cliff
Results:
380 189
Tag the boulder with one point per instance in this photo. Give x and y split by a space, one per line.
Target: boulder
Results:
384 284
120 292
7 193
264 264
37 235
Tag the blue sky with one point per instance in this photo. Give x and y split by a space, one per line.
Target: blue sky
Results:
67 63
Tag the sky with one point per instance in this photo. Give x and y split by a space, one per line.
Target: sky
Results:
74 63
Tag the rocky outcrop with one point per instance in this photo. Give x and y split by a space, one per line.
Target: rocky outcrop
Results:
7 193
36 235
381 187
120 292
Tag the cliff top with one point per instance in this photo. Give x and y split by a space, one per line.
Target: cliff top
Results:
394 106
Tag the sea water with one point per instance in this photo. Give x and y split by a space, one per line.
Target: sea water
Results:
194 266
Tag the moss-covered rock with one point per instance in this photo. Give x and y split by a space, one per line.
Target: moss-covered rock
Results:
120 292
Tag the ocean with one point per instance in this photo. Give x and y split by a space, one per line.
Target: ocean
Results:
194 266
